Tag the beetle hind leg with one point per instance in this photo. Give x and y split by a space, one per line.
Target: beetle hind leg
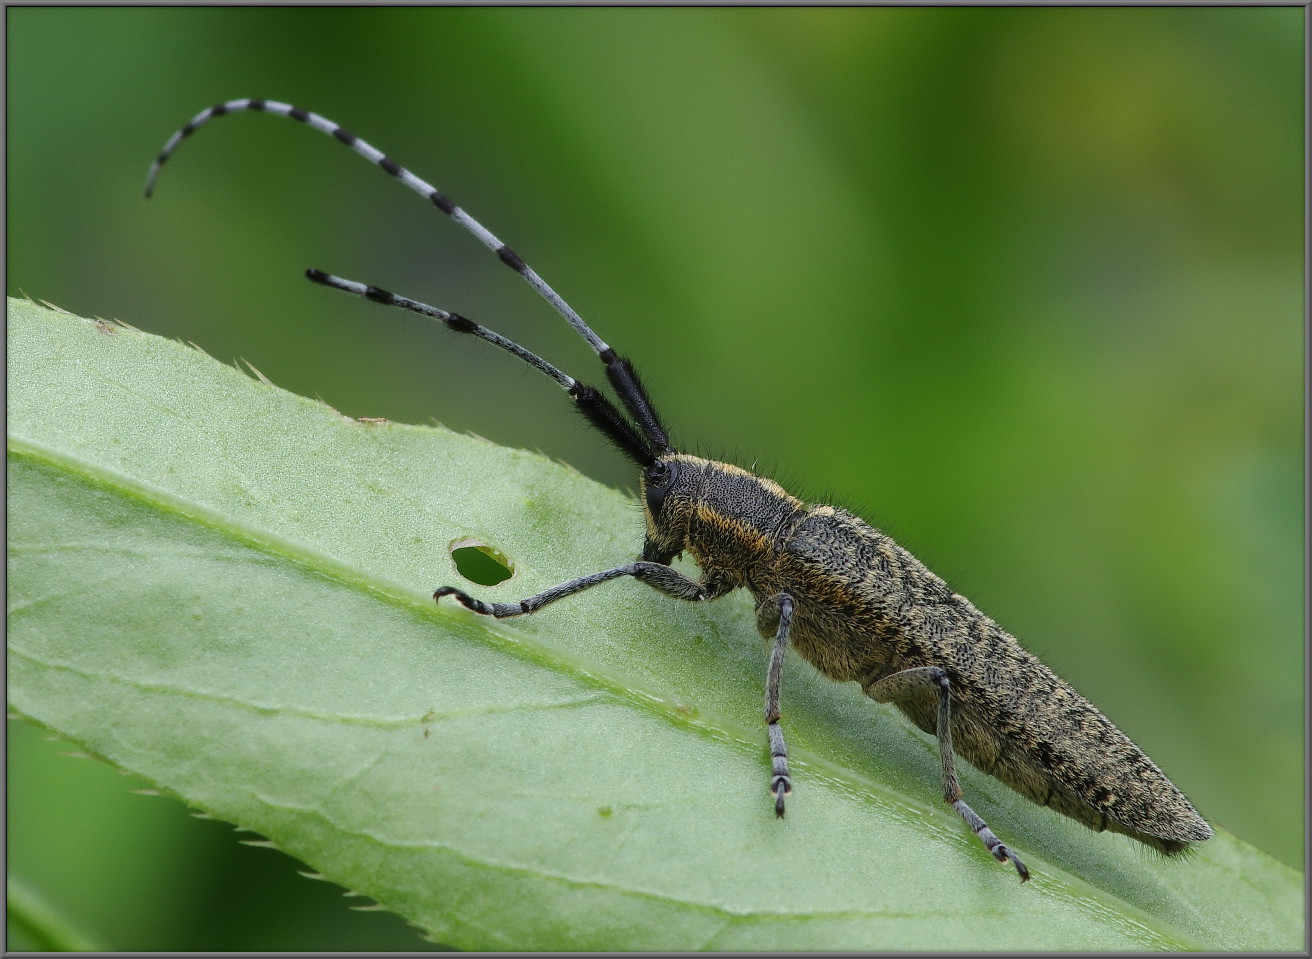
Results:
910 682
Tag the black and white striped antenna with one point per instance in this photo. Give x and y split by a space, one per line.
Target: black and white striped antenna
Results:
642 442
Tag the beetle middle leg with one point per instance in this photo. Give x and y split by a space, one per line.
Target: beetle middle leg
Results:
776 613
911 682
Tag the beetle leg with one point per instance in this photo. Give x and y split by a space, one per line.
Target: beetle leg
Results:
910 682
780 606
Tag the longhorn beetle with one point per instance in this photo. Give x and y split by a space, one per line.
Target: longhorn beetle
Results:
841 593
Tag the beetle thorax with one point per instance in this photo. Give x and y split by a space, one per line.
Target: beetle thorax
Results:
727 519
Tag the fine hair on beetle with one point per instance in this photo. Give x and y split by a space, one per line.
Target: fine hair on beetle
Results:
841 593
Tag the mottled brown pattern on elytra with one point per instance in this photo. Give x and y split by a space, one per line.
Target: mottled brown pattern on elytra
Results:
865 608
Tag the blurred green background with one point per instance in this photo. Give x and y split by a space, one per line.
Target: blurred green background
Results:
1022 286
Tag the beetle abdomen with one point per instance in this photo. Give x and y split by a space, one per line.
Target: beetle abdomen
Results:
867 608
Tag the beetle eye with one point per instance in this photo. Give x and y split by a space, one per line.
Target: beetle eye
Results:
658 480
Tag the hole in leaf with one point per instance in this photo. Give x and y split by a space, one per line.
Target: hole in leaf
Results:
480 563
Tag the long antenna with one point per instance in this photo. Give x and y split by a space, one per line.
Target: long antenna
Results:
380 159
592 404
618 370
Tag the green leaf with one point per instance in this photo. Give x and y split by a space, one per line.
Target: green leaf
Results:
36 925
225 589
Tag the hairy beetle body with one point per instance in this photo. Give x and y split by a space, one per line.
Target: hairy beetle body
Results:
866 609
845 596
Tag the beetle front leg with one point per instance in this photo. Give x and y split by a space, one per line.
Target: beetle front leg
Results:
658 576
